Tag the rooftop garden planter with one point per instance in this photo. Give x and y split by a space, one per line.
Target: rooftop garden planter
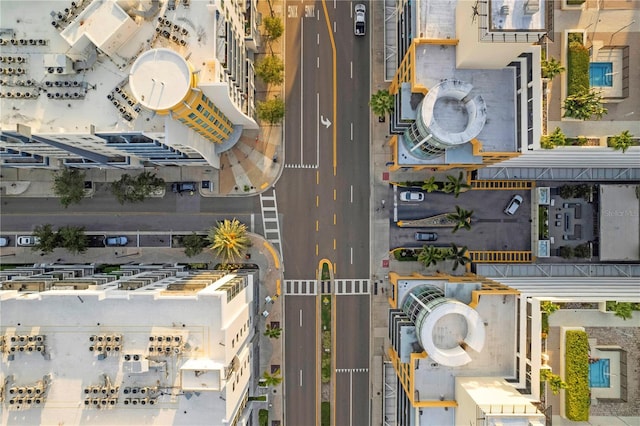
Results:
577 398
577 65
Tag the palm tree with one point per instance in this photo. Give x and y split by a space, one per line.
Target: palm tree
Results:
229 239
272 332
430 255
456 185
381 103
458 255
551 68
622 141
271 380
430 184
584 105
462 218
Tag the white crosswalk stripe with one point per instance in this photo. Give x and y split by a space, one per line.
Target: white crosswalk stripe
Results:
300 166
352 370
353 286
301 287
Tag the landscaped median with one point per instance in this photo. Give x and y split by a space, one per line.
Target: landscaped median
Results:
326 346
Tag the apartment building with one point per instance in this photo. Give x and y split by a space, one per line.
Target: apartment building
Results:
146 344
105 83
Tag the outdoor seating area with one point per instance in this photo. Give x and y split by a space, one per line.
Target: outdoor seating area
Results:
570 220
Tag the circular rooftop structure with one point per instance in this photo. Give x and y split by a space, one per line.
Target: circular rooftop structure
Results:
159 79
451 115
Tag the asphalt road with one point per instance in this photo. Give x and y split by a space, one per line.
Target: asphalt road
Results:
301 360
352 360
323 194
491 229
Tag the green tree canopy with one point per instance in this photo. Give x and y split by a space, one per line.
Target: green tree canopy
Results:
271 111
462 218
273 332
270 69
430 255
551 68
273 28
229 239
458 255
584 105
68 184
73 239
622 141
193 244
381 102
456 185
557 138
430 185
48 239
272 379
136 189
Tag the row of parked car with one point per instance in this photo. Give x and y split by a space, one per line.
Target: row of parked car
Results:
32 240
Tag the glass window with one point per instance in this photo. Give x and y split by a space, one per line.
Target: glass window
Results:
200 107
192 115
199 121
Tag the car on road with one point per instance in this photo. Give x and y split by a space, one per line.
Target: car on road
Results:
28 240
180 187
426 236
411 196
359 19
513 205
4 242
116 241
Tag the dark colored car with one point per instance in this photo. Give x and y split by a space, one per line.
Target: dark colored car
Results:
180 187
426 236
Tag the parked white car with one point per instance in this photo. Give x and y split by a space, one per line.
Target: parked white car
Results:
411 196
28 240
513 205
360 19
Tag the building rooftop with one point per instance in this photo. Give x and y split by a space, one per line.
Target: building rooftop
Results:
141 349
619 223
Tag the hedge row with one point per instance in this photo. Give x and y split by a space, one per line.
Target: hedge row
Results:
577 398
577 69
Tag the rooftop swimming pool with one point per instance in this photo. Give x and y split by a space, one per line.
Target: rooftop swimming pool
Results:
601 74
599 376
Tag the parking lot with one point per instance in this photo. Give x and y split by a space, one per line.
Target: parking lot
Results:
491 228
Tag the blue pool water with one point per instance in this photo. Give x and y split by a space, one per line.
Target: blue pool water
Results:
601 74
599 374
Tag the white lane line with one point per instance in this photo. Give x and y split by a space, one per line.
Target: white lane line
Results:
253 221
351 193
352 255
300 378
318 39
301 90
318 62
300 317
334 26
334 4
351 10
350 398
351 68
351 131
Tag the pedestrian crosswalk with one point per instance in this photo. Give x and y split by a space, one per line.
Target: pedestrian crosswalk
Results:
338 287
352 370
300 166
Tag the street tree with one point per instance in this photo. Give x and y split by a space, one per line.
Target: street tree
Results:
273 332
271 111
430 255
136 189
459 255
584 105
48 239
229 239
272 379
273 28
621 142
430 184
270 69
73 239
193 244
462 218
551 68
381 103
456 185
68 184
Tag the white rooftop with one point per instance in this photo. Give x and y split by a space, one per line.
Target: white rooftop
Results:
619 223
160 79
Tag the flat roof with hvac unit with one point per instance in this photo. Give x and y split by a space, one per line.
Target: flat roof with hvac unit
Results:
160 79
